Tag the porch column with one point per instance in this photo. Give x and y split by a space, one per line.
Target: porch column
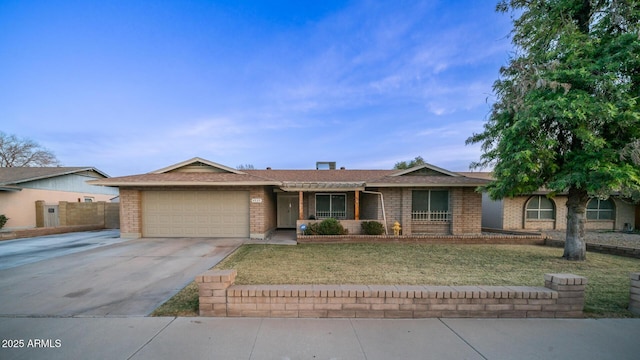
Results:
300 205
357 205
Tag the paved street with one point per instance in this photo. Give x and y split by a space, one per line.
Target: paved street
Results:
120 278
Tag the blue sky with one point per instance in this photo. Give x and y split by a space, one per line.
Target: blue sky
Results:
134 86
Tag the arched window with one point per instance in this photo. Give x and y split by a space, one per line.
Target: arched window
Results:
600 209
540 208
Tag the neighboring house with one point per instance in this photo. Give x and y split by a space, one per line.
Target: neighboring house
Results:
538 212
200 198
21 187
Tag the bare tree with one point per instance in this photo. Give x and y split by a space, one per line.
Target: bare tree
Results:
16 152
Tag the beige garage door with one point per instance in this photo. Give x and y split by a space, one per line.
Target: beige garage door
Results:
195 214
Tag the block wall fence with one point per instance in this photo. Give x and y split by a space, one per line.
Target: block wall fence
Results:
100 214
562 297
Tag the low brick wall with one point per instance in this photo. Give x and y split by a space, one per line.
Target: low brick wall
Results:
562 297
634 294
27 233
529 239
600 248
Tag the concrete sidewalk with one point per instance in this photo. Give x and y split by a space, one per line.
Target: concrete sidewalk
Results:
252 338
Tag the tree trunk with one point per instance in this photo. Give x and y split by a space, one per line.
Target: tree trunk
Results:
575 247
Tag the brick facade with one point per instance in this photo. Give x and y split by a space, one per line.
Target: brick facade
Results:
130 213
262 215
514 215
562 297
465 206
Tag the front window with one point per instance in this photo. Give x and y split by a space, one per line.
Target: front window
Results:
540 208
432 205
331 206
600 209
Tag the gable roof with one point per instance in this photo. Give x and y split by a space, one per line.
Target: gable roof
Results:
430 169
196 161
11 176
208 173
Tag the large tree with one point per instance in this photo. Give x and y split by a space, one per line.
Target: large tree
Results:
566 116
16 152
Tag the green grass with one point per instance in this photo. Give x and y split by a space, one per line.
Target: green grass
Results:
607 293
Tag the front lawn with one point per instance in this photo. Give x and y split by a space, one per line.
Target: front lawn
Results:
607 293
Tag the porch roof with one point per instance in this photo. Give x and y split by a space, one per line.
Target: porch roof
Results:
322 186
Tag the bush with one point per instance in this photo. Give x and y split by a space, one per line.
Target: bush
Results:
372 228
326 227
3 220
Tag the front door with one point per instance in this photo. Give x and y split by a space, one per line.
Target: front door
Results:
287 210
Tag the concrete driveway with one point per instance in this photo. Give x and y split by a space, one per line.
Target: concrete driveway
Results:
122 279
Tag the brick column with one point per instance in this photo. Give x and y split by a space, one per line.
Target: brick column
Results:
634 295
405 202
457 211
570 290
212 288
130 213
63 213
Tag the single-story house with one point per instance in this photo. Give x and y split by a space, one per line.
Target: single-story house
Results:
201 198
538 212
21 187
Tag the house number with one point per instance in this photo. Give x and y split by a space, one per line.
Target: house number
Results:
256 200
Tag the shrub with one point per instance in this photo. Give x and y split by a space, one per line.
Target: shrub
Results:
326 227
372 228
3 220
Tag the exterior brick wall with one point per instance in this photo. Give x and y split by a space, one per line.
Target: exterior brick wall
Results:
634 293
467 211
393 208
465 205
430 227
262 215
130 213
514 217
512 213
562 297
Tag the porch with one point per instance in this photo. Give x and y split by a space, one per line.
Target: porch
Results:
417 210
